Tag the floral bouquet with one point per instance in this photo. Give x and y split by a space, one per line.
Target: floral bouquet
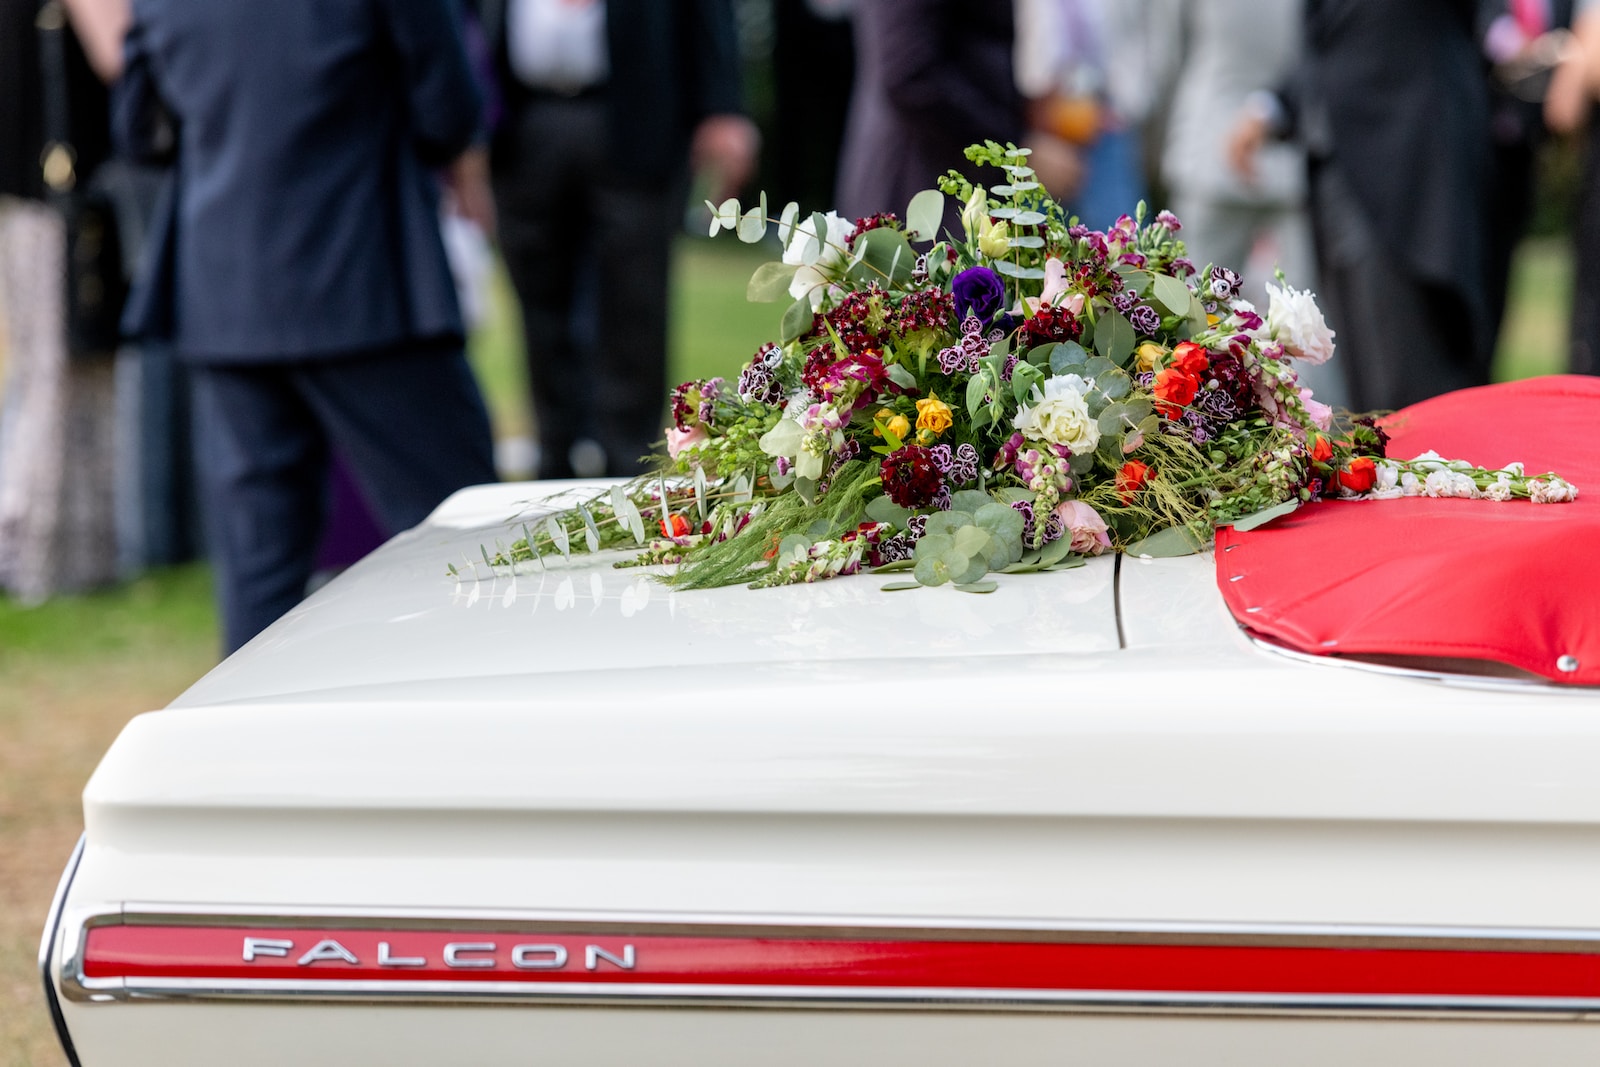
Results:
1015 398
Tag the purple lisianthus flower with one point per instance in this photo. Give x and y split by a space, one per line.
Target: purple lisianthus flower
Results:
978 291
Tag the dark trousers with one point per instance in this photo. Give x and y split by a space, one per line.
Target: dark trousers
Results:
588 254
410 423
1399 338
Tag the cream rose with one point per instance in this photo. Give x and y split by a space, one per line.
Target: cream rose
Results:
1059 415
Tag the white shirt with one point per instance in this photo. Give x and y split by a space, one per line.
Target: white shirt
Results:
558 44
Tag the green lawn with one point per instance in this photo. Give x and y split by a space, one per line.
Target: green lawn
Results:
75 669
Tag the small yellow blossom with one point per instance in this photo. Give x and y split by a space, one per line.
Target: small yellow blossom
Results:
898 425
933 414
1149 355
1213 319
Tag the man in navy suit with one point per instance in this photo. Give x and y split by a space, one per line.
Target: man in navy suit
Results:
299 266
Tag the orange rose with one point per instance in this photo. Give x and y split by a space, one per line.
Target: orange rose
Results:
1360 476
1174 389
1191 359
1321 448
1131 478
679 526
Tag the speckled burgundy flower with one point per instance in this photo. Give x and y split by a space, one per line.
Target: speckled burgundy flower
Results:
910 478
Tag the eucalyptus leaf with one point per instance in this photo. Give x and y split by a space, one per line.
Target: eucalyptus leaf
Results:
972 540
882 509
770 282
533 544
1172 541
977 587
924 214
558 537
1172 294
895 587
894 568
1055 551
794 545
1136 280
970 500
1013 494
1071 563
806 488
591 532
1027 241
930 571
1114 336
945 524
1114 385
1002 521
752 226
1198 322
975 569
1004 212
1068 357
1039 355
796 320
786 227
816 241
1028 218
1010 269
886 258
1001 190
1264 516
932 545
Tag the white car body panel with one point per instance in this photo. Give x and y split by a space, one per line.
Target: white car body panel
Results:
580 743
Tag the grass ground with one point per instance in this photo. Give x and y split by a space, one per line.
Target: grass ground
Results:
74 670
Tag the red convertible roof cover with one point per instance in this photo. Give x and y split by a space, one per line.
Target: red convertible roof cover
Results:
1515 582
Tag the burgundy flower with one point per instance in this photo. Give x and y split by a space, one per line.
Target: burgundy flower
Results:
910 478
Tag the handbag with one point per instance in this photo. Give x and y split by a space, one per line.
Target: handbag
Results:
97 275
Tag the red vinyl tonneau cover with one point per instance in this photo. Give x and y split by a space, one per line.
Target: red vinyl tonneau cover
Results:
1515 582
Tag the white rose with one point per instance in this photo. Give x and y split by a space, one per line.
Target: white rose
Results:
812 279
1295 322
1060 415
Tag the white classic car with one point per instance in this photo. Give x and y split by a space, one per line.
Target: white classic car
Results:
572 816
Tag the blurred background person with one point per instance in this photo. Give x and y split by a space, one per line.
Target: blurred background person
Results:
1522 42
932 76
608 105
1094 72
60 282
810 100
1391 105
1255 226
300 270
1569 108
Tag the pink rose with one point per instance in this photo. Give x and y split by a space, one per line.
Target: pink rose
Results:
1084 526
684 440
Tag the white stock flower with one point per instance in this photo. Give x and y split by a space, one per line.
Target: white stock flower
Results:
1449 483
1060 415
1388 475
1499 489
1295 322
1551 491
1410 484
813 279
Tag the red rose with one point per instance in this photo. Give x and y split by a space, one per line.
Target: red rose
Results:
1359 478
1131 478
1174 389
1321 448
1191 359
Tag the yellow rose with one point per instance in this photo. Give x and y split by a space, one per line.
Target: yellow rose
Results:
885 419
1149 355
933 414
995 240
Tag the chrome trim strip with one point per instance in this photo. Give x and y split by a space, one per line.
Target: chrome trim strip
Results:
77 987
47 941
777 996
887 927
